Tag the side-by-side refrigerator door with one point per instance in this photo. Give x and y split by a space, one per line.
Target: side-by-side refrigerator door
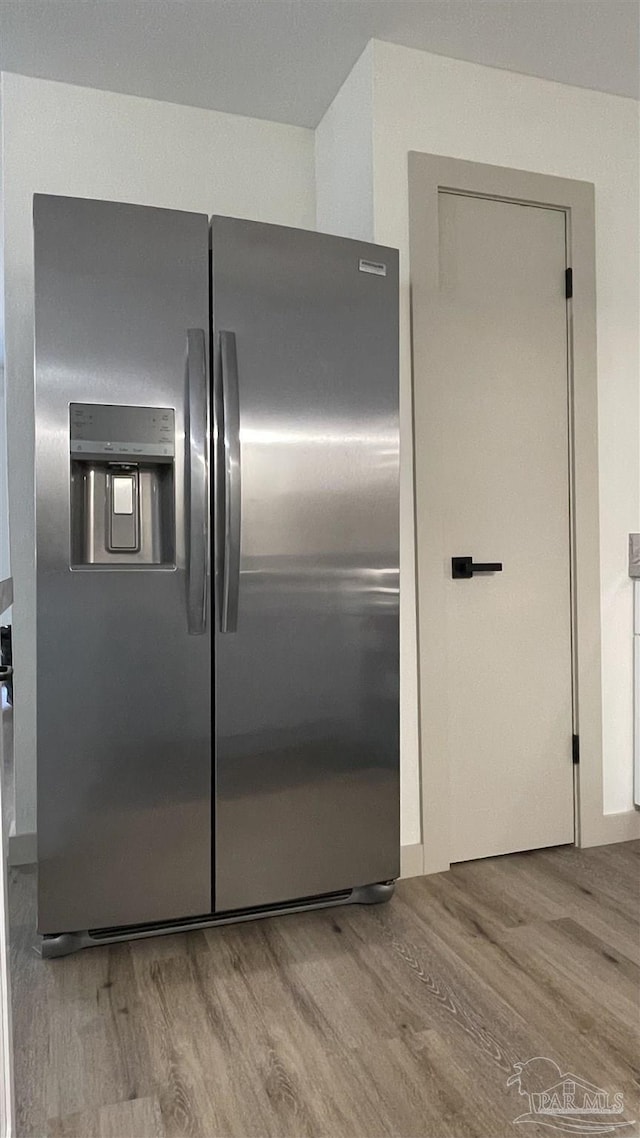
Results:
306 676
123 629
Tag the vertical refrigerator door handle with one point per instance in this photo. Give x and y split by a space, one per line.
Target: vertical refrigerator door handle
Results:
197 483
232 485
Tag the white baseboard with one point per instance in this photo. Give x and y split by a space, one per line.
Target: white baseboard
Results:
23 849
612 828
412 860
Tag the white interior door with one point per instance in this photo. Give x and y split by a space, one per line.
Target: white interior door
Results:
499 388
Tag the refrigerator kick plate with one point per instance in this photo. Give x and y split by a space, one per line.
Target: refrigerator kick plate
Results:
65 943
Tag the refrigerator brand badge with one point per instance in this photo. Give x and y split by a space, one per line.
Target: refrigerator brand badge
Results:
376 267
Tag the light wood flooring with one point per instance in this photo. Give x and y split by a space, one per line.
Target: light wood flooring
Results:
398 1020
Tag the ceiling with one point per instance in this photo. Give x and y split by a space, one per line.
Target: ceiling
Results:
285 59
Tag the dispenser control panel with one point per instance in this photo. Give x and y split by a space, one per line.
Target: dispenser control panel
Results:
136 434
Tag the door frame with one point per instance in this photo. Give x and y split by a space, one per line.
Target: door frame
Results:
428 174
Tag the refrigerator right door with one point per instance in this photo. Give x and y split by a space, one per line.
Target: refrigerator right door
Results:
307 580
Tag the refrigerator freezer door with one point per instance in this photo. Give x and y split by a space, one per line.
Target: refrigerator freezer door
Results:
307 620
124 725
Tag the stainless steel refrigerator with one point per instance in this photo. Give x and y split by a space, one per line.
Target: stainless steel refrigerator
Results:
217 570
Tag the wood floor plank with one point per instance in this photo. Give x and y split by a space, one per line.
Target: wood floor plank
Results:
587 964
538 887
94 1022
597 878
557 1010
31 1045
454 1000
187 1058
472 1097
349 1073
507 891
306 1076
579 1003
398 1021
333 962
138 1118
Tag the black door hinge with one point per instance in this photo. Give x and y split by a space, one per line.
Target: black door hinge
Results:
568 283
575 749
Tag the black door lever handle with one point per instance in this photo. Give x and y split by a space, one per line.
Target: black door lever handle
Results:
465 567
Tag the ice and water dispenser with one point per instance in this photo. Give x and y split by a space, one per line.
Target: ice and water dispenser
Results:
122 478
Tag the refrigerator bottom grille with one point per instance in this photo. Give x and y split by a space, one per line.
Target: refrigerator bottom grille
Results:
210 918
61 944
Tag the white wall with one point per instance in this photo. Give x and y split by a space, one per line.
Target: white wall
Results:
344 157
60 139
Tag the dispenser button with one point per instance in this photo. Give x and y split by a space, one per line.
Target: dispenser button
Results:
122 491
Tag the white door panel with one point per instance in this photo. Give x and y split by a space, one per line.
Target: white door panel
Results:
501 396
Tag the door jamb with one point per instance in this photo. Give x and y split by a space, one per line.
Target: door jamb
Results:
428 174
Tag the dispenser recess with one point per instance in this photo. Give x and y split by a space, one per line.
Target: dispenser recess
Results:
121 486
